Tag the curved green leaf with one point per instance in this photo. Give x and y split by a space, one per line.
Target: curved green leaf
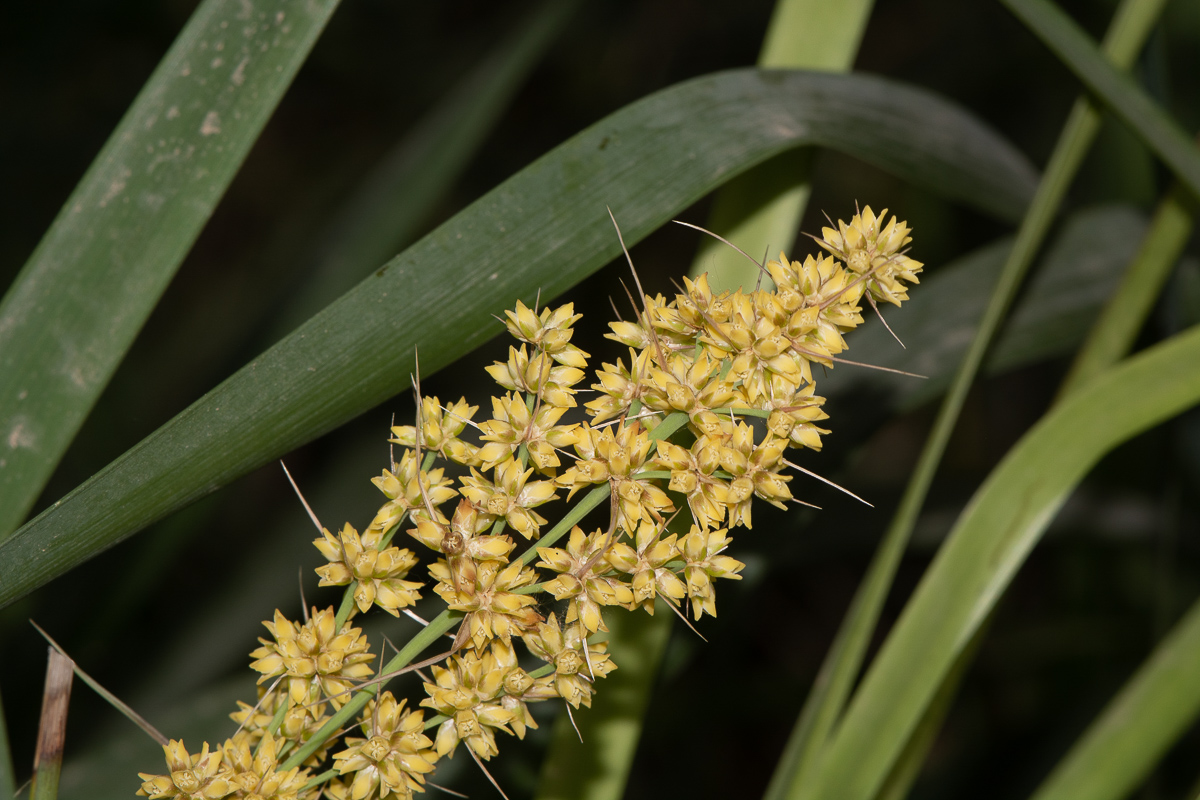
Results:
543 229
990 542
80 300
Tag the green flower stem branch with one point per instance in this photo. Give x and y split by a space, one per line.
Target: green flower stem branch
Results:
546 227
438 626
82 297
988 544
763 207
446 621
1130 26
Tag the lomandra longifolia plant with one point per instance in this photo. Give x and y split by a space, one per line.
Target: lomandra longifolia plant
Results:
694 425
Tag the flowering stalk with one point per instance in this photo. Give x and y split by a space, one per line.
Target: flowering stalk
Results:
717 387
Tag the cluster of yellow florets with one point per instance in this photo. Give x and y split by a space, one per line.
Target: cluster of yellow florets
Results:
717 386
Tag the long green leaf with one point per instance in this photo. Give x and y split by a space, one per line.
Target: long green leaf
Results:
1138 726
1131 24
79 301
1115 89
989 543
545 229
384 212
912 758
1163 698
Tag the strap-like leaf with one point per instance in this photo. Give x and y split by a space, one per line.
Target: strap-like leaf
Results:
544 229
80 300
1130 26
988 545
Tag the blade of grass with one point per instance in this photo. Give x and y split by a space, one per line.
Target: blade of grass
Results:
1123 317
764 206
1115 89
1135 730
545 228
1128 30
1089 240
387 210
79 301
52 730
1162 699
1110 339
989 543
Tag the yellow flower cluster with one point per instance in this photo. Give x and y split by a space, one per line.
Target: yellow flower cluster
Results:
718 385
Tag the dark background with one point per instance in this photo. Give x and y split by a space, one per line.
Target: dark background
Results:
174 610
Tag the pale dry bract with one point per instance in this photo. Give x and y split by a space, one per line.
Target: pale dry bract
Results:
728 374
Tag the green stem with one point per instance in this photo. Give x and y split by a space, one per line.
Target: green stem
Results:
580 510
1106 81
276 720
598 495
343 612
325 776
